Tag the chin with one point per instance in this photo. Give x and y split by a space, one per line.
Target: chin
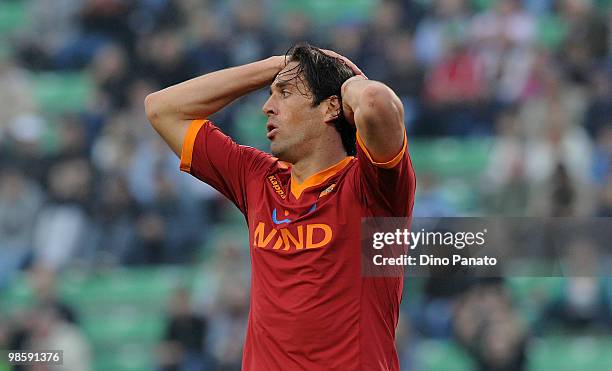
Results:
276 152
280 153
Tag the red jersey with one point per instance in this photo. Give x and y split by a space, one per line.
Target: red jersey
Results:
310 307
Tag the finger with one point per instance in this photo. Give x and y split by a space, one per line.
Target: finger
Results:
356 70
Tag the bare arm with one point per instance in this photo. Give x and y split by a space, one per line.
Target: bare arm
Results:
376 111
378 114
170 110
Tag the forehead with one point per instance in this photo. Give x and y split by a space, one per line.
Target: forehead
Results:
289 76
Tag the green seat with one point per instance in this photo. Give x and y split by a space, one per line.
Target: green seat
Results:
482 5
146 286
116 329
127 358
450 157
62 92
329 11
570 353
458 163
17 296
551 31
13 16
529 287
442 355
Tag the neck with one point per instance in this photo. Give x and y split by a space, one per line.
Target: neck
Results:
316 161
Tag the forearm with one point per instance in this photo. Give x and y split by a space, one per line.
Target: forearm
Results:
204 95
377 113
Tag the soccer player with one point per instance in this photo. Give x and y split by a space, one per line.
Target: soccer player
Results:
339 153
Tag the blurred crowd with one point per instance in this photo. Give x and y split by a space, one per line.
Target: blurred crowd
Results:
96 187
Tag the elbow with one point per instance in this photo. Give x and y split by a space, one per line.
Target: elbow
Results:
152 107
156 108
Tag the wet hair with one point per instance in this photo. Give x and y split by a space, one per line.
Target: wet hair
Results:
324 76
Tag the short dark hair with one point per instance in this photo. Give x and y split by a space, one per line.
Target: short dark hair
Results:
324 76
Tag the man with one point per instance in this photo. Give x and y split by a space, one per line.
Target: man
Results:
311 308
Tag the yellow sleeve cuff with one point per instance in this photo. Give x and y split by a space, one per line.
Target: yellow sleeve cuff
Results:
385 165
189 142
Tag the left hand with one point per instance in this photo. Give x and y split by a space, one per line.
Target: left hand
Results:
346 61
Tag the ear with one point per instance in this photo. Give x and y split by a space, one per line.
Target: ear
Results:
332 109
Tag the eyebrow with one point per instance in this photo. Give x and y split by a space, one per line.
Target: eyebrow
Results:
278 85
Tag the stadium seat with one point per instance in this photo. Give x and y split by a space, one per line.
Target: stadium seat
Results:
450 157
146 286
17 296
570 354
441 355
115 328
328 11
62 92
126 358
457 163
551 31
13 16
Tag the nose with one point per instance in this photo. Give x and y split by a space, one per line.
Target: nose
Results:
269 108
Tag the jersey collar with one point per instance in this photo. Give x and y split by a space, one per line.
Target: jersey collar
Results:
316 179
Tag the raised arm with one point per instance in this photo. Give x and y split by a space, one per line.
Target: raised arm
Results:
378 114
170 110
376 111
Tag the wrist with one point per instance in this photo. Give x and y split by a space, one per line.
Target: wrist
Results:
278 61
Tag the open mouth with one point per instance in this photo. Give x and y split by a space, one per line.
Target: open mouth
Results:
272 130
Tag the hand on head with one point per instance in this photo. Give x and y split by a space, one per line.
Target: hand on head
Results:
346 61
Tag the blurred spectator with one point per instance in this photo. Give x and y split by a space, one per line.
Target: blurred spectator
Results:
250 39
582 303
61 228
114 234
50 29
404 75
163 59
455 89
431 196
17 95
605 199
504 180
599 110
296 27
208 51
555 99
558 169
72 138
446 25
503 37
20 202
147 16
229 325
44 285
457 79
100 22
587 41
51 331
109 69
487 325
184 344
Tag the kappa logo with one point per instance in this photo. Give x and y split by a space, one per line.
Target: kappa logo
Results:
277 187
